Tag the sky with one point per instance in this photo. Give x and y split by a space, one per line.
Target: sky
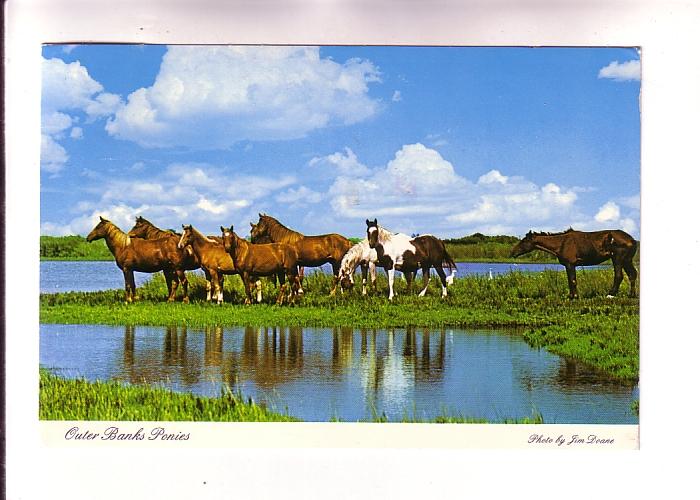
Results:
441 140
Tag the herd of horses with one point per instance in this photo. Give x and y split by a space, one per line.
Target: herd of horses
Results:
281 253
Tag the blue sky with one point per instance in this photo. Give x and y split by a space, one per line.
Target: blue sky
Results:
441 140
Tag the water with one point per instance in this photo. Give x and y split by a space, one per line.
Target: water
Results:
89 276
318 374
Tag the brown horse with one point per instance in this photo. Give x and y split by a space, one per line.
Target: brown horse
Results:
136 254
210 253
266 259
145 229
579 248
148 231
313 251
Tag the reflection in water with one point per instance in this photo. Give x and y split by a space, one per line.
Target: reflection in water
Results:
351 374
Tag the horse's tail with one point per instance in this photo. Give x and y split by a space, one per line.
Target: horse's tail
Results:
447 260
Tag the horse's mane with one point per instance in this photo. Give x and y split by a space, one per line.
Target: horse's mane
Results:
201 236
280 232
158 231
544 233
116 235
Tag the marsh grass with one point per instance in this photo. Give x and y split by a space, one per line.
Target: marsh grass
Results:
78 399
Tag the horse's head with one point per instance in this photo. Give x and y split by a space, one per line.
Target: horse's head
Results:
527 244
372 232
99 231
186 238
228 238
140 228
258 232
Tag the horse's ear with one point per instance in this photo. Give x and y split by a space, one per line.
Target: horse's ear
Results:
252 225
231 228
375 220
102 219
223 229
367 221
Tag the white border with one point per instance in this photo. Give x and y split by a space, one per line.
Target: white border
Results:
671 77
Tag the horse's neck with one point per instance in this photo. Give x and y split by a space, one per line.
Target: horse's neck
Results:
155 233
281 233
116 238
353 257
242 249
199 241
550 244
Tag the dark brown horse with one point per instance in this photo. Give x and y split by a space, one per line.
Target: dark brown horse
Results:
579 248
136 254
398 252
146 230
313 251
212 257
266 259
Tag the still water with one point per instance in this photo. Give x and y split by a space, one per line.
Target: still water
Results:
318 374
90 276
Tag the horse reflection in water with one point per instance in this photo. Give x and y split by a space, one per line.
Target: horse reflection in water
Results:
176 361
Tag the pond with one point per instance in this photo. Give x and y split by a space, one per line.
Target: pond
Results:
318 374
90 276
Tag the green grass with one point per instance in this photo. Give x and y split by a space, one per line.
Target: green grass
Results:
603 333
78 399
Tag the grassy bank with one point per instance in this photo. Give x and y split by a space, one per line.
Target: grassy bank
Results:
64 399
601 332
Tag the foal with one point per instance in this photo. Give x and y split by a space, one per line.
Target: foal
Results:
364 256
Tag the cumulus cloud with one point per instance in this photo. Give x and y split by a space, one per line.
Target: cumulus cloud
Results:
396 96
344 163
198 194
626 71
299 196
213 97
67 90
608 212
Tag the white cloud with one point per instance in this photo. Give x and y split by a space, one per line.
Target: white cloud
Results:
67 88
300 196
213 97
396 96
53 155
627 71
493 176
345 164
608 212
197 194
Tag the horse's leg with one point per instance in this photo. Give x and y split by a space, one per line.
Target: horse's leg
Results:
426 280
258 288
220 296
207 276
617 266
247 285
390 273
364 268
571 275
169 284
301 279
632 275
373 275
336 270
215 284
182 278
283 287
443 279
409 281
129 285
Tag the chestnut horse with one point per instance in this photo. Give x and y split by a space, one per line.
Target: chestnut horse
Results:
209 252
313 251
136 254
265 259
579 248
399 252
145 229
148 231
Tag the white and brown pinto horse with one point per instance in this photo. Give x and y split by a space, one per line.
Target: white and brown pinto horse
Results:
400 252
361 255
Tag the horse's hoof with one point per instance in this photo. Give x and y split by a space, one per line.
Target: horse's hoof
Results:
186 300
608 296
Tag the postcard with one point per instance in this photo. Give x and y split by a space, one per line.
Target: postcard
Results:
265 245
